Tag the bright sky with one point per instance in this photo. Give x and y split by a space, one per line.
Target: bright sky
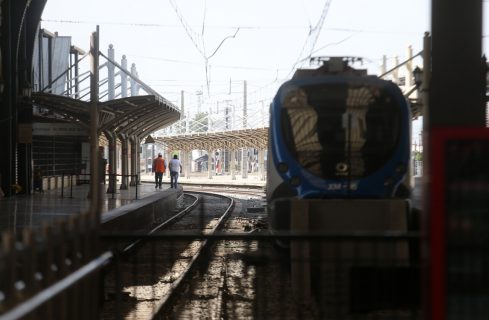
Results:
271 36
269 41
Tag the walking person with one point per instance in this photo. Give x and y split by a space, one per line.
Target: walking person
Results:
102 165
159 167
175 169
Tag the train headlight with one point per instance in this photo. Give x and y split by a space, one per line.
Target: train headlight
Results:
282 167
295 181
341 167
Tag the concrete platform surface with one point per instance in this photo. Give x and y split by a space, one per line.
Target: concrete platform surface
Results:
30 211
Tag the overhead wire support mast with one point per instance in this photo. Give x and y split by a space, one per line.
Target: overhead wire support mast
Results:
312 37
317 29
201 50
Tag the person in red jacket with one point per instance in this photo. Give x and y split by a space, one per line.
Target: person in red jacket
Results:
159 167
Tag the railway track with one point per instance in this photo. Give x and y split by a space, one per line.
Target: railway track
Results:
231 191
174 274
147 275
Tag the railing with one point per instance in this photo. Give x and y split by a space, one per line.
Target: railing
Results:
106 83
55 274
85 179
114 176
50 273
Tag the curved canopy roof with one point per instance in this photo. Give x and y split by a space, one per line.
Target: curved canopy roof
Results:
135 116
246 138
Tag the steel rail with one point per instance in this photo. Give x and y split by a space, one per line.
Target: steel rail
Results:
165 223
266 235
176 285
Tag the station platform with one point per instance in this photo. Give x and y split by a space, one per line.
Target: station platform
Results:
31 211
253 180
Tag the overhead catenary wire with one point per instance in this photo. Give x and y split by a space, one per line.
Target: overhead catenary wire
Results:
201 48
312 37
233 27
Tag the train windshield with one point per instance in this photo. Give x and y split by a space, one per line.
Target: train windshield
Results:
340 130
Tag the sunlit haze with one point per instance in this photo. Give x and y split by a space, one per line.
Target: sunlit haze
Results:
174 42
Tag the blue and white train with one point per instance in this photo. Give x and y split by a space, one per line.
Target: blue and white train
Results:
336 133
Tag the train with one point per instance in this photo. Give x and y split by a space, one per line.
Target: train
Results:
336 133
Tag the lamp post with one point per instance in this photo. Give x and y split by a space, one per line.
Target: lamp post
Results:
418 76
418 79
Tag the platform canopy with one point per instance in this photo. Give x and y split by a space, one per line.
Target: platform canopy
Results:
231 140
134 116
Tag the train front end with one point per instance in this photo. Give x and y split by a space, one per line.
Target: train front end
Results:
336 137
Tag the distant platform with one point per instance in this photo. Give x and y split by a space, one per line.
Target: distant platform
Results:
253 180
417 194
31 211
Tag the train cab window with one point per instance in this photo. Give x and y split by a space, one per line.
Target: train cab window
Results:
336 130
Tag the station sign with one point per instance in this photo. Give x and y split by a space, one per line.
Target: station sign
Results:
58 129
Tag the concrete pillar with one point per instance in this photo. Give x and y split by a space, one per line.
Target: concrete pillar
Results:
138 160
189 164
112 162
383 67
167 157
300 267
77 80
187 123
233 164
223 161
183 159
209 163
395 73
209 119
245 106
458 72
425 86
134 162
134 84
261 163
244 163
111 74
124 77
182 110
124 162
95 203
456 99
409 68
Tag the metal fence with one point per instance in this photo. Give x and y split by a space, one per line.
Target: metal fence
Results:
68 181
55 275
60 272
50 273
322 276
